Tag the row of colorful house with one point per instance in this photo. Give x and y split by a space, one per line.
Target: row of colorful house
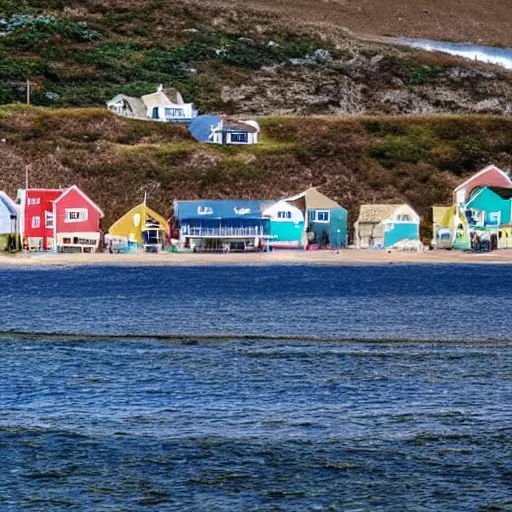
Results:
69 221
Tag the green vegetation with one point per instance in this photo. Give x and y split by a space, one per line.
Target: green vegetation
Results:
84 58
116 160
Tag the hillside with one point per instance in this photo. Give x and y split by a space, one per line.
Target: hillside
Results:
266 59
116 160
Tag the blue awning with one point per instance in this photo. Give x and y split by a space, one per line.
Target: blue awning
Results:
229 209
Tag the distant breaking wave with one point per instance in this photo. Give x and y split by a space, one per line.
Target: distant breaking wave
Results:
70 336
487 54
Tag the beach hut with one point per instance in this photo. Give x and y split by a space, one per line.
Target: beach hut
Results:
8 223
65 220
325 221
386 225
286 225
214 225
140 228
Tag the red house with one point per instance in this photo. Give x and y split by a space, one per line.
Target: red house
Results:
63 220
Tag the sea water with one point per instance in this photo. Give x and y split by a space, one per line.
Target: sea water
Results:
279 388
488 54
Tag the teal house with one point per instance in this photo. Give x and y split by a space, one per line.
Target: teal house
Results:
488 214
286 225
325 221
382 226
489 207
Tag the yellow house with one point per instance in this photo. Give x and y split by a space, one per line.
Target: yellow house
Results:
141 226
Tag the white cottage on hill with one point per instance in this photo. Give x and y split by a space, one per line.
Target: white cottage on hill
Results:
162 105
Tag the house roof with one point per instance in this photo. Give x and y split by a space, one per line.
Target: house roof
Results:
495 177
220 209
375 213
136 104
170 97
84 196
9 204
232 125
314 199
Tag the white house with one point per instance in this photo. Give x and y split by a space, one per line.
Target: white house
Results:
157 106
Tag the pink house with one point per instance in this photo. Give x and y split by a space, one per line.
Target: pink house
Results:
491 176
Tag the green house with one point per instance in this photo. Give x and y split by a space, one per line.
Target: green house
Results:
325 221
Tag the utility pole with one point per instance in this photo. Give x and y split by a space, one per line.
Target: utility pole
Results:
28 92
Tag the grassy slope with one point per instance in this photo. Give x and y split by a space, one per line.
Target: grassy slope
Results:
353 160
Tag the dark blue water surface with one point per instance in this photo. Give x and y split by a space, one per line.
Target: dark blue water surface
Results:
386 420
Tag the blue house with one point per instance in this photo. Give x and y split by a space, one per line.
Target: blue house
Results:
221 224
222 130
237 225
325 223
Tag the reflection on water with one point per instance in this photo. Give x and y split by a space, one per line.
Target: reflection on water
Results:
500 56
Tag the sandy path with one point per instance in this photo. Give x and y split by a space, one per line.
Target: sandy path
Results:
344 257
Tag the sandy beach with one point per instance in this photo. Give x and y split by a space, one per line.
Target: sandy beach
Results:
342 257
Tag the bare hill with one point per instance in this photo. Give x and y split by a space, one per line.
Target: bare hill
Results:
474 21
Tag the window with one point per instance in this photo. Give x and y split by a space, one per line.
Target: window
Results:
171 113
241 138
403 218
36 222
76 215
322 216
389 227
494 217
284 215
155 113
48 220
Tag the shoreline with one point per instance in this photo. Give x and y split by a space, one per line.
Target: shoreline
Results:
344 257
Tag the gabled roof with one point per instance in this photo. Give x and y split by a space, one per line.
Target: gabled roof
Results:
501 178
84 196
136 104
140 208
232 125
375 213
9 204
314 199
